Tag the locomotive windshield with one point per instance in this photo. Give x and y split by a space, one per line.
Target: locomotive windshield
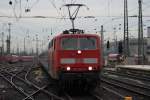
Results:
84 43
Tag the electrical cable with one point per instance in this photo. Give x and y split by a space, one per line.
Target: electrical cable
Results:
28 8
146 2
20 10
146 7
36 2
64 1
14 9
26 5
54 5
109 7
73 1
63 17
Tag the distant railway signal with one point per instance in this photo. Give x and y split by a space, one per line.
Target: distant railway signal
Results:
120 48
108 45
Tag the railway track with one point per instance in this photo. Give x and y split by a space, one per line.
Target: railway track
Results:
139 80
109 92
125 84
129 74
113 92
21 79
65 94
8 78
18 80
96 96
139 72
50 94
87 96
76 94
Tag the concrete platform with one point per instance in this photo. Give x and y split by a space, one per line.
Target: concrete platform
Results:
135 67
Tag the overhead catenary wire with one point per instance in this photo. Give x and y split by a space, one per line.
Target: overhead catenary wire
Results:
109 7
14 8
29 7
145 2
54 5
20 9
73 1
35 3
145 6
66 18
14 5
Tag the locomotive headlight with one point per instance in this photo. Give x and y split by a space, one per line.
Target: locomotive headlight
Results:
79 52
90 68
68 68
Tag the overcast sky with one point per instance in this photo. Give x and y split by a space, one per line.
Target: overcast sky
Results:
106 12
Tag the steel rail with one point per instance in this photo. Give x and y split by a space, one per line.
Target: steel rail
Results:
16 87
67 96
22 80
129 75
97 97
39 89
126 85
140 85
114 92
15 75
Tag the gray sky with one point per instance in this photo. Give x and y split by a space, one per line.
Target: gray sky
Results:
107 12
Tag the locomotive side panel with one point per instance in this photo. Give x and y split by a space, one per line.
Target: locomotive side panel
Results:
50 59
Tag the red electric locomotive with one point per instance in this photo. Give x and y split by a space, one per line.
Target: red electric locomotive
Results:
75 57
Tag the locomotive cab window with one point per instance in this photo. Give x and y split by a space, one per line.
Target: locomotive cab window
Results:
88 43
69 43
83 43
50 44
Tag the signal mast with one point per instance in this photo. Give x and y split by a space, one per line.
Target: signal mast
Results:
73 16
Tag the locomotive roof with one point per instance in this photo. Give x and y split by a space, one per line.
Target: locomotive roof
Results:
75 35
